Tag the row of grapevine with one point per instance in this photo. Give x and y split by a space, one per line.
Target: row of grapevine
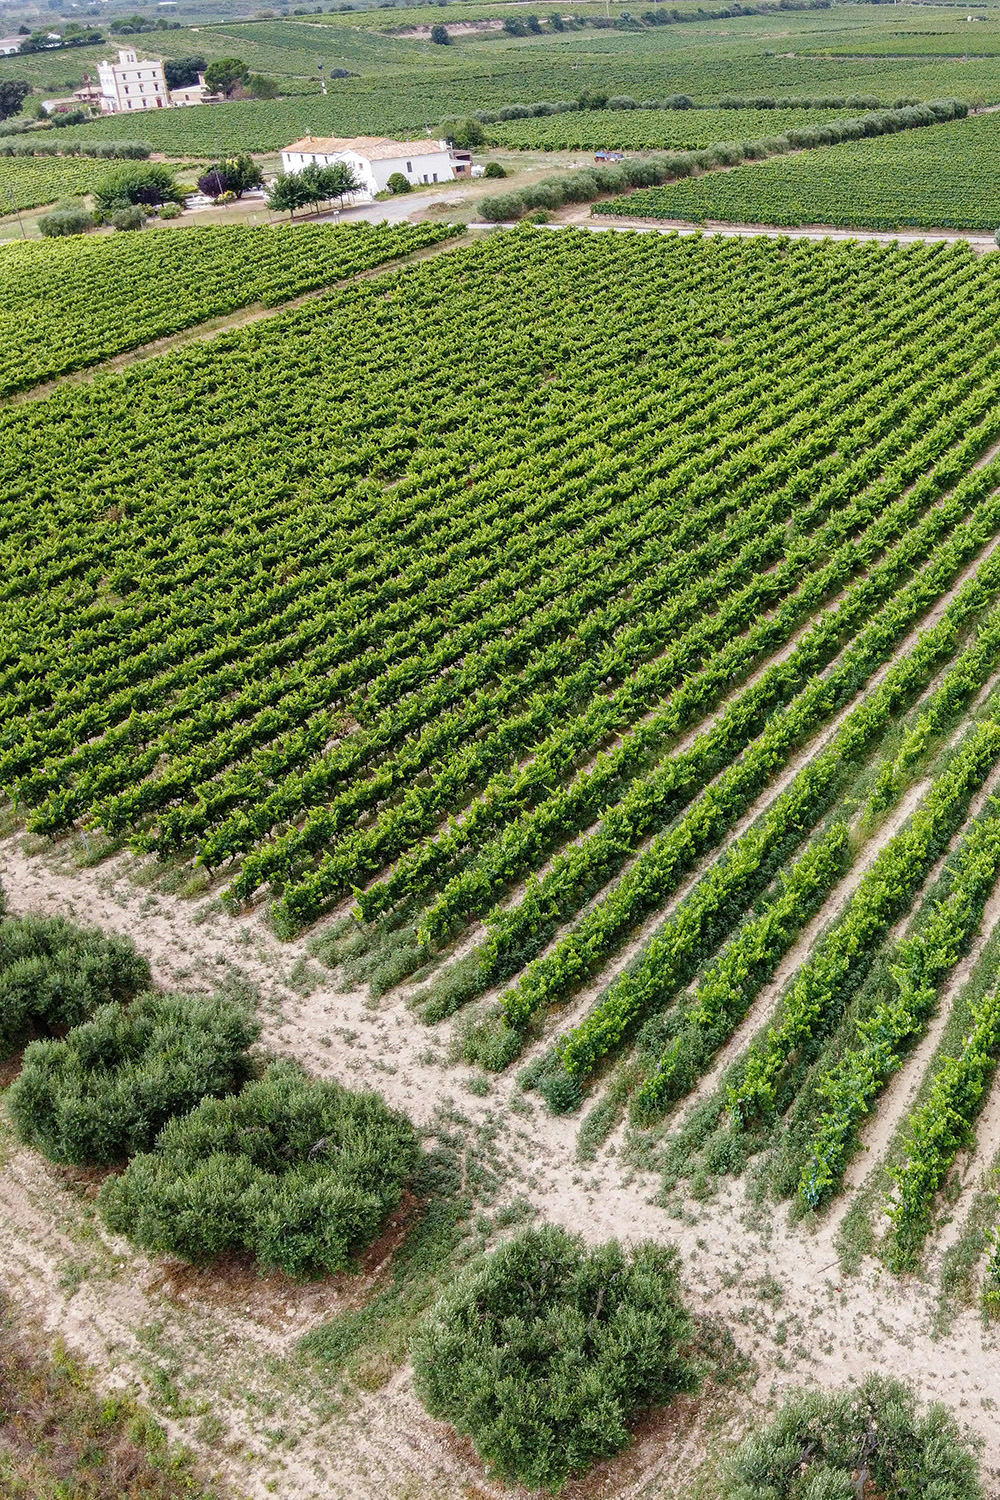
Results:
66 727
938 1129
336 873
823 984
919 966
656 871
729 985
396 593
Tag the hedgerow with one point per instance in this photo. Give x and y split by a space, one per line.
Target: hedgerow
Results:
649 172
298 1172
543 1352
938 178
103 1092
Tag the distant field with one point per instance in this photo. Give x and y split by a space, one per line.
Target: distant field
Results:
30 181
66 304
943 177
406 85
645 129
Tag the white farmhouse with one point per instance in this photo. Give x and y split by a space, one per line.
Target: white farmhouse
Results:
374 159
9 45
132 84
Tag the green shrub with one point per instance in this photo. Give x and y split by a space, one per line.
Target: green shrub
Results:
494 169
104 1092
298 1172
66 221
54 975
171 211
128 218
502 206
140 182
868 1439
543 1351
397 183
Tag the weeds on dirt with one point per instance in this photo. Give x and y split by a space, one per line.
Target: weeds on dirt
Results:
456 1186
60 1440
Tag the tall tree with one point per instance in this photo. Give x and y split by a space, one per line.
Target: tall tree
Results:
13 92
226 74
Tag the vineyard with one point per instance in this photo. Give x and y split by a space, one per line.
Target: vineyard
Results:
594 669
937 178
402 86
30 181
67 304
522 728
647 129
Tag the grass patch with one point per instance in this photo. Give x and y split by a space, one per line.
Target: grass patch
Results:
457 1187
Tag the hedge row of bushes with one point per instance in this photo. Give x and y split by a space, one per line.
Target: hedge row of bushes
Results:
226 1154
594 100
124 199
669 166
112 150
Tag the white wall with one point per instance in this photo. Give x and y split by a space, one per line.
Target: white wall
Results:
374 175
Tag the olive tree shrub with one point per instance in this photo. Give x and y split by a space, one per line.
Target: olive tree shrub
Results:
543 1351
298 1172
866 1440
105 1091
54 975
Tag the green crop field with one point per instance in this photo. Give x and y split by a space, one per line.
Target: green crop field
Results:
499 763
66 304
444 544
652 129
29 181
941 177
406 84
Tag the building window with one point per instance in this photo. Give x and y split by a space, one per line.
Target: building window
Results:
435 177
409 166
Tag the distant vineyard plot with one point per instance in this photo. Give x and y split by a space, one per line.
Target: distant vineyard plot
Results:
31 181
939 178
651 129
66 304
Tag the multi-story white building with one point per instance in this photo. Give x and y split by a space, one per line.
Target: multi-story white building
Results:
374 159
132 84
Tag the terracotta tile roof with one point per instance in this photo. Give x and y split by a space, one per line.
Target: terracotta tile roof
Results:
373 147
